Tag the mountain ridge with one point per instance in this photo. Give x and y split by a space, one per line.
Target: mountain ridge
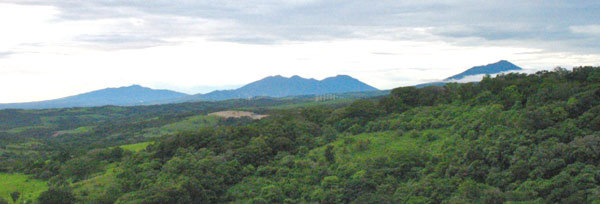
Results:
272 86
492 68
119 96
279 86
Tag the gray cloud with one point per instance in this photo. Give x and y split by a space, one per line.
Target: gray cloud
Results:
551 25
116 39
6 54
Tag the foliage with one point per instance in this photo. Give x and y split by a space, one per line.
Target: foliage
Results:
55 196
15 196
515 138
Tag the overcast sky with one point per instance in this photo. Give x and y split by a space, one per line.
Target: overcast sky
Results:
51 49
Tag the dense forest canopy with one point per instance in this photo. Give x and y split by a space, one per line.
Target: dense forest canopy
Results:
515 138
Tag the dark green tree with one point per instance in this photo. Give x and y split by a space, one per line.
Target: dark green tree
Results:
15 196
56 196
329 154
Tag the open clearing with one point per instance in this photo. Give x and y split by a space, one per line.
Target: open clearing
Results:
238 114
136 147
29 188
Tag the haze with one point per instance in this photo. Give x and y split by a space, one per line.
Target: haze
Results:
51 49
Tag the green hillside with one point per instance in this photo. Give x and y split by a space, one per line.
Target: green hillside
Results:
515 138
28 188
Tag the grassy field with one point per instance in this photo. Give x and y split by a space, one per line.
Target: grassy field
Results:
22 129
360 148
79 130
136 147
311 103
188 124
29 188
97 185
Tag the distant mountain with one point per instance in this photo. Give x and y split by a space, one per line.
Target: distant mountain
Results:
278 86
123 96
274 86
494 68
440 83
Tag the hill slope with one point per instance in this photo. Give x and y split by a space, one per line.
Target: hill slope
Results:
123 96
503 140
278 86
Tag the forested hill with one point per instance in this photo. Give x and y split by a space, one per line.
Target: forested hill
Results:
279 86
515 138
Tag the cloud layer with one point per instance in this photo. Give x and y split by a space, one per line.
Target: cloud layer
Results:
568 24
186 44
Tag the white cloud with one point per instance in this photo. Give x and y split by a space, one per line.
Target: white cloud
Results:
479 77
586 29
52 49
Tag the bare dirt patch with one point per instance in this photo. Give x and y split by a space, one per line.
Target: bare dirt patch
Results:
59 133
238 114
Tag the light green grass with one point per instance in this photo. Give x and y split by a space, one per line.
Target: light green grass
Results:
189 124
311 103
24 146
97 185
29 188
23 129
136 147
192 123
79 130
377 144
383 144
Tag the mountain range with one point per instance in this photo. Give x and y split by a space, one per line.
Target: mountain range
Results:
272 86
279 86
123 96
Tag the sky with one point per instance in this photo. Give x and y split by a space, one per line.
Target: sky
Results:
51 49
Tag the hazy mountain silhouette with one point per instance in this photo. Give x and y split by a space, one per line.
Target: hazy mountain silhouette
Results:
273 86
494 68
278 86
123 96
